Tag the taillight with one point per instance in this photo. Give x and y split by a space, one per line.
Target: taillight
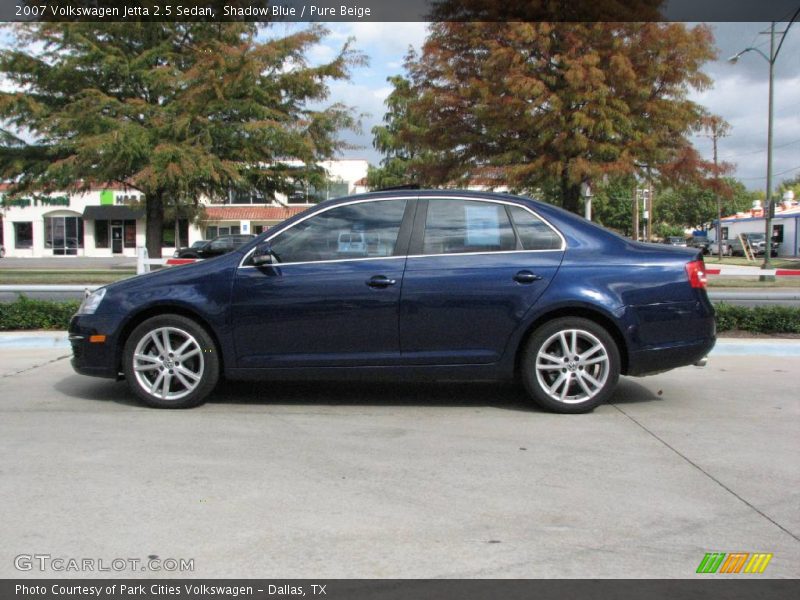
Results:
696 271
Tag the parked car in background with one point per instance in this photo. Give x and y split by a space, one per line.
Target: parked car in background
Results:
733 246
702 243
758 244
727 247
462 286
675 240
195 246
2 251
216 247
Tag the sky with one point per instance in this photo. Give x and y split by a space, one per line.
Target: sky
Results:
739 93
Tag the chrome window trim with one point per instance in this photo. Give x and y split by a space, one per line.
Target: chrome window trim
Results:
420 197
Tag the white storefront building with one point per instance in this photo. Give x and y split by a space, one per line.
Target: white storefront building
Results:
109 221
785 225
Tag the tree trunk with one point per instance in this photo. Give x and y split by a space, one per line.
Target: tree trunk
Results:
155 223
570 195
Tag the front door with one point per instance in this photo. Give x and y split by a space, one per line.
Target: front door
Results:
116 239
474 270
324 302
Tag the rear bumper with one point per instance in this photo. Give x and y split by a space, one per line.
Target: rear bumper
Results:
666 357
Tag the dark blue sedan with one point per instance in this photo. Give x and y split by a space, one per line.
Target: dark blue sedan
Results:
423 285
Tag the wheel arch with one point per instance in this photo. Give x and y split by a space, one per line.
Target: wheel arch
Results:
162 310
586 312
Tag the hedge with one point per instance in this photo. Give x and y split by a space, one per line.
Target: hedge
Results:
26 313
758 319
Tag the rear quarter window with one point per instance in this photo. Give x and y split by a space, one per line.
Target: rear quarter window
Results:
534 234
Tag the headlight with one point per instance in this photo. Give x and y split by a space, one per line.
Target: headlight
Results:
175 254
91 302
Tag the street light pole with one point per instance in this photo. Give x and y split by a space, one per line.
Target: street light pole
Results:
769 209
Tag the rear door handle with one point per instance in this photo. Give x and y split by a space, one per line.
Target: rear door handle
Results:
526 277
380 281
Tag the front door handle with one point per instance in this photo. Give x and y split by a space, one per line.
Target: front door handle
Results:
526 277
380 281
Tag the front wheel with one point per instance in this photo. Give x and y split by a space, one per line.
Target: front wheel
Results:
171 362
570 365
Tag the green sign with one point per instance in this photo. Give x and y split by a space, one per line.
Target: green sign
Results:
106 198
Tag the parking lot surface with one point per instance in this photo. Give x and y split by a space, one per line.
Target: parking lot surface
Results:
301 480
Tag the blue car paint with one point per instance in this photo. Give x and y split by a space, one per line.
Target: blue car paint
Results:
447 317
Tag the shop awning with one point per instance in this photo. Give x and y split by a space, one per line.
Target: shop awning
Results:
112 213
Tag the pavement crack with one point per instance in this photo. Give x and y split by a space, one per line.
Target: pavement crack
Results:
44 364
709 475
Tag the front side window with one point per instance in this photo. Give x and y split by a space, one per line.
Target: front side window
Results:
363 230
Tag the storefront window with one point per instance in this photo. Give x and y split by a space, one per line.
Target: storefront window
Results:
168 234
64 235
101 234
23 235
130 233
213 231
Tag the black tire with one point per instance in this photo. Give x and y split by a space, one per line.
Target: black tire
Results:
187 379
585 383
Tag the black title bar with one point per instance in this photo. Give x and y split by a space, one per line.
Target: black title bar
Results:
397 10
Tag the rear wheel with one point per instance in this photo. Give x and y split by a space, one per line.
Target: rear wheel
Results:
171 362
570 365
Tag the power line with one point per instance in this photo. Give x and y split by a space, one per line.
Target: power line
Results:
774 174
759 151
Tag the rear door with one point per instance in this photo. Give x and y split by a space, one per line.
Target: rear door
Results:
475 268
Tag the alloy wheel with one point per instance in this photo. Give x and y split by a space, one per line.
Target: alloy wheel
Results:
572 366
168 363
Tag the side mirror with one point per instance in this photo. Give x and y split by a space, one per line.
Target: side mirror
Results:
263 255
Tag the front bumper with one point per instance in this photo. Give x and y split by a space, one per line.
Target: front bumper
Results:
93 359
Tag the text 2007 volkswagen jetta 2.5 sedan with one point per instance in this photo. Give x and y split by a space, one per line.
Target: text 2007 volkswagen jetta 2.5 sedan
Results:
425 285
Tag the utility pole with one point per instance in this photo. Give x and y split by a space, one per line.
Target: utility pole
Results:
717 128
636 210
649 210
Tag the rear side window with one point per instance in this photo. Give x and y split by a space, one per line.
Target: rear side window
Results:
534 234
457 226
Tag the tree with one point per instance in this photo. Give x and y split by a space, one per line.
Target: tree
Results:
792 184
611 204
538 104
397 165
173 110
693 206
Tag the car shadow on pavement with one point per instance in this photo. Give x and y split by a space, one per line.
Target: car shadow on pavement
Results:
507 396
92 388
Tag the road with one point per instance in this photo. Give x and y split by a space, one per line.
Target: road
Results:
279 480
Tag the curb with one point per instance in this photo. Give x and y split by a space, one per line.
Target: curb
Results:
744 271
41 340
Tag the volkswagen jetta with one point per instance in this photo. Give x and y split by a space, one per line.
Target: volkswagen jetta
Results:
439 286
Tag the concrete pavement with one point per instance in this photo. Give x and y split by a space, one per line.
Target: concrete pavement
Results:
279 480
